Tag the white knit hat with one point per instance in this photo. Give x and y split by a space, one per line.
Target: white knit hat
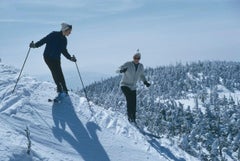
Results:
138 54
65 26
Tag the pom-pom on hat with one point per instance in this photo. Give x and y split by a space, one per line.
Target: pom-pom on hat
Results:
65 26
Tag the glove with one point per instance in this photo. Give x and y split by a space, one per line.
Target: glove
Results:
32 45
147 84
73 59
123 70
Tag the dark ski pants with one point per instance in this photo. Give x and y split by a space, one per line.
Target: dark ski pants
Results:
131 102
57 74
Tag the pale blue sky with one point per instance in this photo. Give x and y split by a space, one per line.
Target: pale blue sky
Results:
106 33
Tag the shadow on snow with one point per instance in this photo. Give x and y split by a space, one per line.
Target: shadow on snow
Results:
163 150
83 140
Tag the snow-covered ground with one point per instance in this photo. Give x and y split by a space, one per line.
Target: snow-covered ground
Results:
70 130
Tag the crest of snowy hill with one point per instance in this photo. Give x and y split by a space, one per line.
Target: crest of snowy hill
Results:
194 104
70 130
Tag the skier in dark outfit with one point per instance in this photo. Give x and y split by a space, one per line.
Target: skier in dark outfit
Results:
56 44
132 72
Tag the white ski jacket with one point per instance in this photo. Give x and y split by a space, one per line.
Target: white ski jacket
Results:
131 76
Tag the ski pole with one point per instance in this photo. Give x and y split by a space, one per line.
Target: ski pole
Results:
21 69
84 90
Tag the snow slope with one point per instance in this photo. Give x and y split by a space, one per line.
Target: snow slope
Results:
70 130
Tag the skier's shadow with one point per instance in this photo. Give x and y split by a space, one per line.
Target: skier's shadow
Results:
163 150
83 140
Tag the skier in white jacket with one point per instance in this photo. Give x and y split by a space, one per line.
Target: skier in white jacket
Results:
132 72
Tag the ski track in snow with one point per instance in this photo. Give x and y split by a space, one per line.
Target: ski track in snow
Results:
70 130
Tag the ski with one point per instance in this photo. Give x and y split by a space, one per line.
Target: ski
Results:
146 133
59 98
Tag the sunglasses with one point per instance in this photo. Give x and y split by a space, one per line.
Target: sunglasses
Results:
137 58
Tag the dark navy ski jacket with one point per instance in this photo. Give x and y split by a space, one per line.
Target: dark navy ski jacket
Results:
56 43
